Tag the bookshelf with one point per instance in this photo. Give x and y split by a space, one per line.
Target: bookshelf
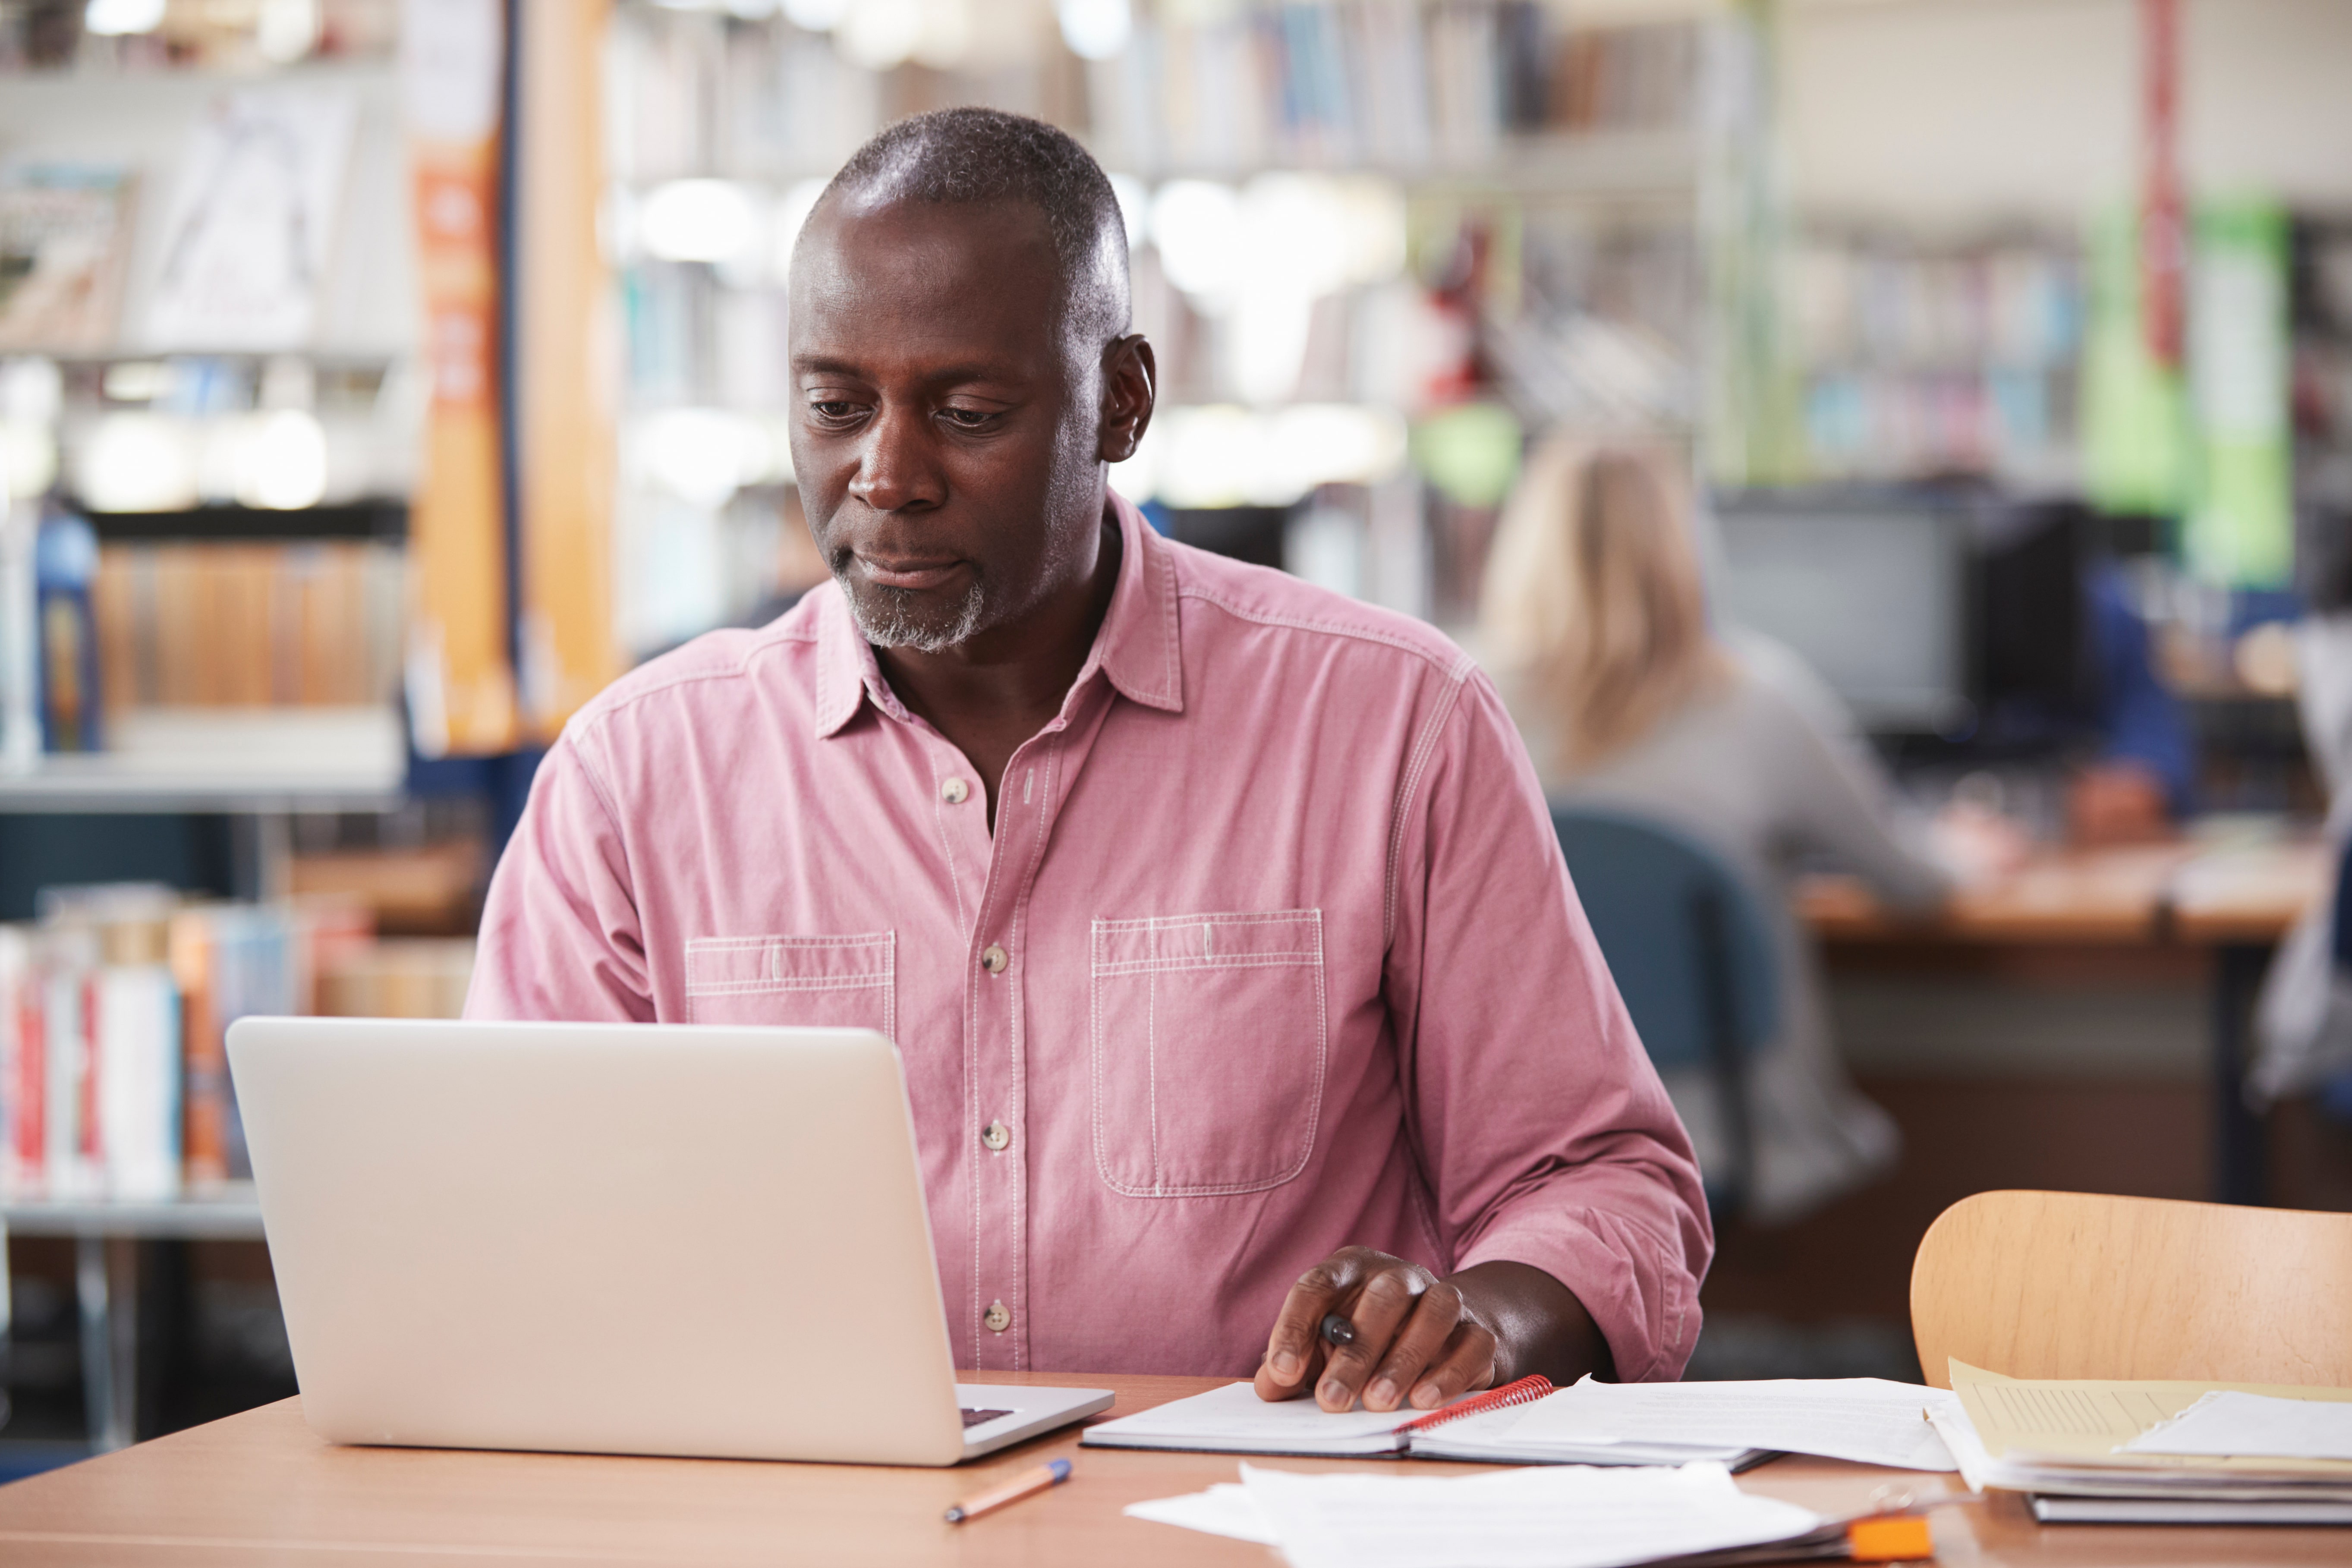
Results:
1923 359
239 495
177 446
1524 198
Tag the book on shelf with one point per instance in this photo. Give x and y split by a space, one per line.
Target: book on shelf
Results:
65 562
64 233
114 1007
1637 77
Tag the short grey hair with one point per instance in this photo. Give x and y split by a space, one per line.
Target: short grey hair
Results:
958 156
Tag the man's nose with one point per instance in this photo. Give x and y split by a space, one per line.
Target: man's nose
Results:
897 470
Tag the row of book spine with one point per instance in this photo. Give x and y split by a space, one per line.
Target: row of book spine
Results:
114 1080
2011 423
249 624
1399 83
1386 83
2016 305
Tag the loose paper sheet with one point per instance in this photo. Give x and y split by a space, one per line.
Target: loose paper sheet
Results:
1559 1517
1868 1420
2227 1423
1223 1510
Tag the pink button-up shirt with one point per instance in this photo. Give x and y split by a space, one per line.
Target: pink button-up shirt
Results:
1272 951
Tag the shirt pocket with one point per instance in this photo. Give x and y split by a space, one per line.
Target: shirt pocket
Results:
810 981
1208 1051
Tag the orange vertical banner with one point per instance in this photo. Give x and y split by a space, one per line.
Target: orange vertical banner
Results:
567 363
461 686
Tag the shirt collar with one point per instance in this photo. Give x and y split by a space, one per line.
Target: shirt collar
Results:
1137 649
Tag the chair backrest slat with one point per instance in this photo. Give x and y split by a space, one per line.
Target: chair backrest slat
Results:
2081 1285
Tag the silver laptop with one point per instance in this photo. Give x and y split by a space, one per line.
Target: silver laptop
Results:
610 1239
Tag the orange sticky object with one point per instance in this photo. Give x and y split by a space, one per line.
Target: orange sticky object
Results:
1889 1540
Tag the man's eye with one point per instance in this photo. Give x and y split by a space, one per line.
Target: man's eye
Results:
969 418
833 408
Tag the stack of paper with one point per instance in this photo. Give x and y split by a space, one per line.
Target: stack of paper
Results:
1563 1517
2173 1452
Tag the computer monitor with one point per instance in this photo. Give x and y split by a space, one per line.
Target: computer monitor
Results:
1872 592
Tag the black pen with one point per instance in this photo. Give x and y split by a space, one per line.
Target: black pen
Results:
1337 1331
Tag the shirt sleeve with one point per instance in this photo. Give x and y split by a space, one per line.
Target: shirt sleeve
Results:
560 934
1543 1132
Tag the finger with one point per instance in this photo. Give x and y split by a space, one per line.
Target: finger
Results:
1274 1392
1468 1364
1422 1341
1293 1350
1381 1309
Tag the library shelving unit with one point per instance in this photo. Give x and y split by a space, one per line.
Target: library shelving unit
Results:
106 1233
132 115
128 380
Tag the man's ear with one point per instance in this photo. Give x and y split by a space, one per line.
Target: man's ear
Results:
1130 387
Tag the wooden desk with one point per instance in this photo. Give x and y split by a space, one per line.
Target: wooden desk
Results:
2183 893
260 1488
2232 900
2062 897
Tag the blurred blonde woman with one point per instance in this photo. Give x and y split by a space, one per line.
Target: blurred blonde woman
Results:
1595 620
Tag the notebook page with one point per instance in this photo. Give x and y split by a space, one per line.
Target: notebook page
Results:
1563 1517
1867 1420
1234 1419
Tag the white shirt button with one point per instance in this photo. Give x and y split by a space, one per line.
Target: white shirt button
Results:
995 960
999 1317
955 792
996 1135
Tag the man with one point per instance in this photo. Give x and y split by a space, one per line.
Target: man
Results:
1218 920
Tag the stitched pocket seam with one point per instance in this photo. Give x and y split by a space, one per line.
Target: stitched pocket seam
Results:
878 952
1215 960
1313 919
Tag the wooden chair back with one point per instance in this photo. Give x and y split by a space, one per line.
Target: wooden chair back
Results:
2081 1285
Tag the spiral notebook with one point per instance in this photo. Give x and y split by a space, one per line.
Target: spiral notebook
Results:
1234 1420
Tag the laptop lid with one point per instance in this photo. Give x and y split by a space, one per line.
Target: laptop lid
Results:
619 1239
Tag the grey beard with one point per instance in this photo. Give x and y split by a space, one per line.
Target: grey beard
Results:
886 617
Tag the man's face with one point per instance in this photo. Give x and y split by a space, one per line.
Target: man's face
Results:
944 433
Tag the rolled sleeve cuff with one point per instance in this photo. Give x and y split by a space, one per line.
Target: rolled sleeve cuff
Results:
1641 1296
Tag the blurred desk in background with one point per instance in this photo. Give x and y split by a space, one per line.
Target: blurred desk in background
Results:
2232 900
262 1487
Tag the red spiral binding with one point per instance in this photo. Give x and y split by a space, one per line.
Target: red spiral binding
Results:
1524 1391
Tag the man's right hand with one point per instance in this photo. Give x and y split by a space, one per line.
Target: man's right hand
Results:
1418 1337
